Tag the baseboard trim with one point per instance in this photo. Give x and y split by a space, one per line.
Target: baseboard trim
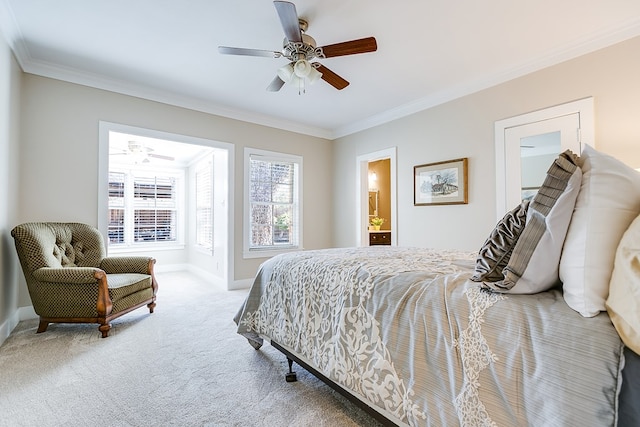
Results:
27 313
167 268
203 274
240 284
8 326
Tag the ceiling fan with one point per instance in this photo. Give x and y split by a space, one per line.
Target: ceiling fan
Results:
141 153
300 48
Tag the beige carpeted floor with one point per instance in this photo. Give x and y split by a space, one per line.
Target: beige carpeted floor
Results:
183 365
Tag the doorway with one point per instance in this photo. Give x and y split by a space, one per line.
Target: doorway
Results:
527 144
383 165
164 181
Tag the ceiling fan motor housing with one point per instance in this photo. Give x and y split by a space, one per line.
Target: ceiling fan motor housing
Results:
306 49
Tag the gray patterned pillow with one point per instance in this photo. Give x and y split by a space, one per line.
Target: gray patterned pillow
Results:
496 251
534 263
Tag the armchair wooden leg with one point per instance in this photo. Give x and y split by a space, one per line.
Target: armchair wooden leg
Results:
151 306
104 328
42 327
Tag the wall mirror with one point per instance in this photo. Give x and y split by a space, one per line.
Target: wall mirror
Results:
373 203
537 152
527 144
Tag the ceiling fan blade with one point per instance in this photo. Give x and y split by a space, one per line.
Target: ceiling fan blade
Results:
226 50
289 20
332 78
352 47
159 156
275 85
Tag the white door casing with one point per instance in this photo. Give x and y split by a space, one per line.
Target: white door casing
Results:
362 190
575 123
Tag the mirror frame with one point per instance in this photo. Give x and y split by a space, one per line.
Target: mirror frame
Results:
584 107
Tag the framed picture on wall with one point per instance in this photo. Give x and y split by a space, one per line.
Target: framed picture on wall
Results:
441 183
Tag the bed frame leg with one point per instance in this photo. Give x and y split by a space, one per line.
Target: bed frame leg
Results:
291 376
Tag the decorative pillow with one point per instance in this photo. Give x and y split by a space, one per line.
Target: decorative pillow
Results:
623 303
533 266
494 255
608 202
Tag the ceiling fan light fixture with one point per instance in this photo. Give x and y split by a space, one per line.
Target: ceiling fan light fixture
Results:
314 75
302 68
286 73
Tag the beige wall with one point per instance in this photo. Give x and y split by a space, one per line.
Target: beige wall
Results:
51 158
10 80
464 128
58 179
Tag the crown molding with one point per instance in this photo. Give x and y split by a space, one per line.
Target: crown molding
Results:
97 81
13 36
10 30
564 53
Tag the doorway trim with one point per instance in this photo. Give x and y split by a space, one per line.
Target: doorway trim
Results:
362 194
585 109
105 127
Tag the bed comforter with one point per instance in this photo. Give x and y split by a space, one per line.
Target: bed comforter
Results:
407 332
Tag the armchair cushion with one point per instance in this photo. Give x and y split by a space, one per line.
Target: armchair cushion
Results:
129 264
126 290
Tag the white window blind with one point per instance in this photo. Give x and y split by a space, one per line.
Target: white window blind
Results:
204 204
143 207
116 207
154 200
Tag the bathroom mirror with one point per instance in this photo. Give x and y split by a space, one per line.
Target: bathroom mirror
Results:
373 203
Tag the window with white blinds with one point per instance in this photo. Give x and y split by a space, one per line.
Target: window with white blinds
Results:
204 204
143 207
272 220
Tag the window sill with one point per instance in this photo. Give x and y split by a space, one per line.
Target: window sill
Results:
203 250
144 248
268 253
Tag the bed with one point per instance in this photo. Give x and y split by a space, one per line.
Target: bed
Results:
426 337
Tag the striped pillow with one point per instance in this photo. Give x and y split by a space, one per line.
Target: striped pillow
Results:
534 263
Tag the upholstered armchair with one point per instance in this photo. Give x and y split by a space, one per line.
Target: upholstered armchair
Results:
70 279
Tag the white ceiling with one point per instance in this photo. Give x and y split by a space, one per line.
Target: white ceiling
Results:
429 51
128 149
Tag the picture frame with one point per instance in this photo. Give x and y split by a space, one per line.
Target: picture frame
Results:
441 183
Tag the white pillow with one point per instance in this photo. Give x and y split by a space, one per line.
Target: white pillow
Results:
608 201
623 303
533 265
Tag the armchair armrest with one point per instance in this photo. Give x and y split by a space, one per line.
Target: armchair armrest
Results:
80 275
128 264
67 275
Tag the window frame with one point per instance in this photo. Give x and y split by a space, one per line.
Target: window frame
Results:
269 251
131 172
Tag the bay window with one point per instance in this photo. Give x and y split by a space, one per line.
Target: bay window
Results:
144 207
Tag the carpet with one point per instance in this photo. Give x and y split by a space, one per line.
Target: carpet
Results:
183 365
